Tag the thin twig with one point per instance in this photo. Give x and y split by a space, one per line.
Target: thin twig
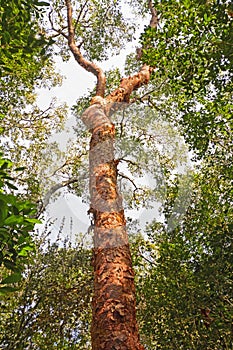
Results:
58 31
52 190
80 13
129 179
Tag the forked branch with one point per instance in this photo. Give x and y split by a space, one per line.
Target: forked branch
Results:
86 64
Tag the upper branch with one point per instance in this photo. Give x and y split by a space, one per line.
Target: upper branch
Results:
154 15
132 83
58 31
87 65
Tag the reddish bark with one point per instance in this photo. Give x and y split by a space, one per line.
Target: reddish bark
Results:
127 86
114 325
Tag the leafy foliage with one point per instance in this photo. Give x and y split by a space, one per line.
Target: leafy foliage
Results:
52 310
192 44
184 274
185 287
23 53
100 27
26 65
20 38
16 223
186 290
192 50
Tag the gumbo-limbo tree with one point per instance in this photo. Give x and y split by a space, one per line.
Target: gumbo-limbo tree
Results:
186 47
114 324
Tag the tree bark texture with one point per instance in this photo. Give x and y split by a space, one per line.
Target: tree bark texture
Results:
114 325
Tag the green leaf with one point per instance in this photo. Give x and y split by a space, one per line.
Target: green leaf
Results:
14 220
5 163
3 210
15 277
20 168
33 221
13 187
25 250
9 264
6 290
42 3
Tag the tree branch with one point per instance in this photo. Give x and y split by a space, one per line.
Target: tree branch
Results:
52 190
87 65
127 86
154 15
58 31
80 13
129 179
132 83
147 95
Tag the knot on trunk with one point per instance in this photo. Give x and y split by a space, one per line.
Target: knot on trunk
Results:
94 116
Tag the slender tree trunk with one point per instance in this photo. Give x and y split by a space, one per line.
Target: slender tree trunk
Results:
114 325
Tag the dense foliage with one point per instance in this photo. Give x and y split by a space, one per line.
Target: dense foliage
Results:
192 50
21 59
16 223
52 308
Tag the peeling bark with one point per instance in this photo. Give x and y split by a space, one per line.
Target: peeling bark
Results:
114 323
127 86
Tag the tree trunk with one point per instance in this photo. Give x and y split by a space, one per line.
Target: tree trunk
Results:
114 325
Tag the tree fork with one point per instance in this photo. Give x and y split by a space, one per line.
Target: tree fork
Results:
114 325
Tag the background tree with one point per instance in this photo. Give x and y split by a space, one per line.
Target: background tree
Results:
51 310
20 50
26 65
191 266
